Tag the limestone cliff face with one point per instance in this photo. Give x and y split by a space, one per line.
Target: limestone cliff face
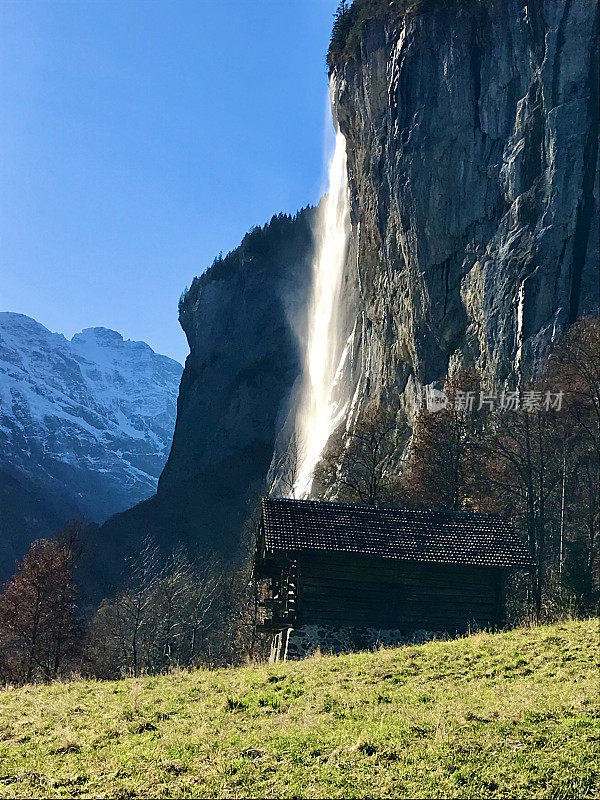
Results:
472 137
240 319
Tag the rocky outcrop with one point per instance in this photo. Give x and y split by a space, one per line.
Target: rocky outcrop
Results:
242 319
472 139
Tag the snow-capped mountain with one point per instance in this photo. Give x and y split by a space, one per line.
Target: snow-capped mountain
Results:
86 422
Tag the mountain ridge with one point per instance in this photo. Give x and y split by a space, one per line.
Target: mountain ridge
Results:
85 423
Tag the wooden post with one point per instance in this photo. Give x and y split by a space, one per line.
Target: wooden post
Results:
500 599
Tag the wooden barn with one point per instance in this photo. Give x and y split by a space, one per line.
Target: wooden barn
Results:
339 576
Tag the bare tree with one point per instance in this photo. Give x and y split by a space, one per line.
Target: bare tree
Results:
360 464
203 603
443 465
117 639
523 472
134 611
169 598
288 464
170 614
574 369
39 630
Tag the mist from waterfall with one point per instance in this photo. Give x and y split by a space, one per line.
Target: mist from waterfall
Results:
320 411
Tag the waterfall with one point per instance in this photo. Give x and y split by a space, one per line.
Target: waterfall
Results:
320 410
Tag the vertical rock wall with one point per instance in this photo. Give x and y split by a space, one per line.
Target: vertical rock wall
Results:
472 133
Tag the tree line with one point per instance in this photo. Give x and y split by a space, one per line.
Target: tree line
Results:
170 613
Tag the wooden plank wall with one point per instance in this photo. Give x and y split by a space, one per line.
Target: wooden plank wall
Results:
341 589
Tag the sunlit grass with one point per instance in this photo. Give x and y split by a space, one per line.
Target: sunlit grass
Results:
492 715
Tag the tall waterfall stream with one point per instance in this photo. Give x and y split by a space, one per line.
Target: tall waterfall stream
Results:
319 410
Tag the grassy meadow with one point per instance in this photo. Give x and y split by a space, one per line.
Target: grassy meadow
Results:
511 715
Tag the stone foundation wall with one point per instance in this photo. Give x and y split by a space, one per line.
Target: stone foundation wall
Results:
296 643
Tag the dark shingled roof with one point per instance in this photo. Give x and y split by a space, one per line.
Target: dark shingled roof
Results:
442 537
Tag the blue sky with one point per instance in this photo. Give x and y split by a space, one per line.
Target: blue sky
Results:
141 137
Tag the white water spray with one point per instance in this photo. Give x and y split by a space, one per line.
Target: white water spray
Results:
320 410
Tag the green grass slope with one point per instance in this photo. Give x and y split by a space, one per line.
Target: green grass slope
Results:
511 715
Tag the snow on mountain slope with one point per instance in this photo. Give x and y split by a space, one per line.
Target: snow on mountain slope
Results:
89 421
